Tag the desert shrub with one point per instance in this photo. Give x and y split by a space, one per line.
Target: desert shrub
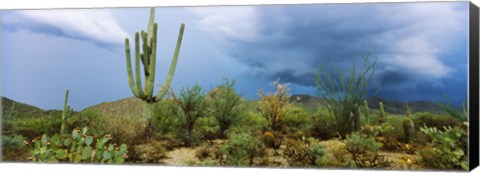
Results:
438 121
35 126
323 125
343 92
13 148
88 118
208 128
224 104
301 153
297 120
126 129
365 151
190 106
340 158
76 147
451 109
150 152
241 150
205 152
447 149
275 106
252 121
163 119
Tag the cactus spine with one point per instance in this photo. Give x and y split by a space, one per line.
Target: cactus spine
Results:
366 110
357 126
382 113
148 59
67 111
408 126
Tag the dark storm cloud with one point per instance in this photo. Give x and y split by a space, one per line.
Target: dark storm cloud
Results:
412 41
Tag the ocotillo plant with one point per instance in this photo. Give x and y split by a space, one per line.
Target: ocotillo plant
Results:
148 58
408 126
67 111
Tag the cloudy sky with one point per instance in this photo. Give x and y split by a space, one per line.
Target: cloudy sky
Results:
421 49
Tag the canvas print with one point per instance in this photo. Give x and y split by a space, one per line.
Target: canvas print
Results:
317 86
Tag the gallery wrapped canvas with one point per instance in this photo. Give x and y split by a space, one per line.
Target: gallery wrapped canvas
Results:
360 86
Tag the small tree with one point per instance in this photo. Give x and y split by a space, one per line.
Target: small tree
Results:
224 105
190 106
343 93
275 106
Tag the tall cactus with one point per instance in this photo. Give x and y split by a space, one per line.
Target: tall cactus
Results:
408 126
382 117
365 111
67 111
357 126
147 56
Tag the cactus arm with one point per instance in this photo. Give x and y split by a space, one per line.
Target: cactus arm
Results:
137 66
64 113
153 55
166 84
129 69
151 28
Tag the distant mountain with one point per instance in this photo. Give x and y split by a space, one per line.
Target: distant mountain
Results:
390 106
20 109
123 107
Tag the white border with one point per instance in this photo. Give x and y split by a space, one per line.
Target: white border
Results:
49 4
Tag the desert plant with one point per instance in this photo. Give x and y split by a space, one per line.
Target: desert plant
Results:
366 111
67 112
357 125
306 152
447 148
323 125
77 147
224 104
434 120
190 106
297 119
148 59
365 151
383 117
408 126
150 152
344 93
164 120
13 148
275 106
241 149
451 109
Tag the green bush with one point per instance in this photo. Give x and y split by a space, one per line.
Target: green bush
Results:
438 121
150 152
447 148
164 120
35 126
13 148
190 106
88 118
297 119
241 150
323 125
301 153
225 105
365 151
208 128
77 147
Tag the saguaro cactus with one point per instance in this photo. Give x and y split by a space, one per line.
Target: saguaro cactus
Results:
365 111
148 59
67 111
356 118
382 117
408 127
